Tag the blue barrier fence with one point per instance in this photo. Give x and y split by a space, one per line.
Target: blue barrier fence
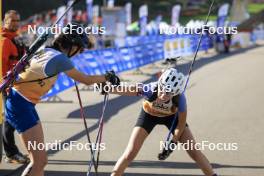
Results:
141 50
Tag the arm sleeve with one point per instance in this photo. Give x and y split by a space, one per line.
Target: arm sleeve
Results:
58 64
182 103
148 90
5 55
9 50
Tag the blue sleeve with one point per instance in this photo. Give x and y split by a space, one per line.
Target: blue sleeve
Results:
148 90
182 103
60 63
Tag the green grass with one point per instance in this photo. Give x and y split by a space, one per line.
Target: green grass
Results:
185 19
252 9
255 7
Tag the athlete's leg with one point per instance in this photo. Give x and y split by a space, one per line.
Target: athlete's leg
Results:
196 155
9 144
38 157
136 140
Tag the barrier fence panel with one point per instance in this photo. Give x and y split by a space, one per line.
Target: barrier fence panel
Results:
146 50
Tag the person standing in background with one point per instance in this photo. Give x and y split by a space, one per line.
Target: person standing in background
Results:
1 105
12 51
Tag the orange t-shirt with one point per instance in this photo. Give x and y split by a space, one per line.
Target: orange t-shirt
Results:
9 50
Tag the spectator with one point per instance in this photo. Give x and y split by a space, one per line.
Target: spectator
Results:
227 42
12 52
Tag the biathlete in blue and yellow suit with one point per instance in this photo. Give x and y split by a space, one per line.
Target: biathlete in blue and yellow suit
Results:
36 81
164 101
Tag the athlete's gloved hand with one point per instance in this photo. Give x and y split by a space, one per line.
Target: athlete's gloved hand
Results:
112 78
166 152
102 88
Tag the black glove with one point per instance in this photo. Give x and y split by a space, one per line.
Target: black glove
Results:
102 88
112 78
166 152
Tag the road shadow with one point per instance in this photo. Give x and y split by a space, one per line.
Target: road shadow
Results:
51 173
72 173
154 164
142 164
